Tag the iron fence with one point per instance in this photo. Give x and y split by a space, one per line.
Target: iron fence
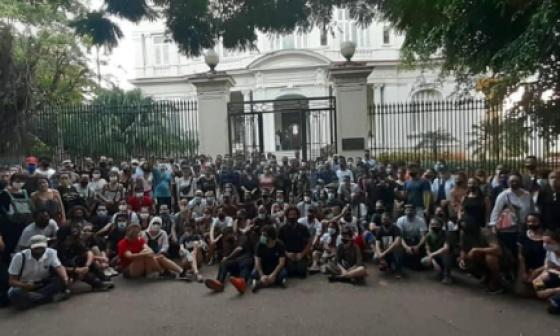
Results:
283 126
469 134
160 129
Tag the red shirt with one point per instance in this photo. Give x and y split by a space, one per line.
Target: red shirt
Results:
137 203
134 246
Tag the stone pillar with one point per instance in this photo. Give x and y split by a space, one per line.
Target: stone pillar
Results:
352 123
213 96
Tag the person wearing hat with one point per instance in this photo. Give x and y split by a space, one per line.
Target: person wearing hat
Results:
30 278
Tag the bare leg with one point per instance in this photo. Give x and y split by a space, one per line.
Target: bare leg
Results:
136 269
355 272
493 264
151 265
168 265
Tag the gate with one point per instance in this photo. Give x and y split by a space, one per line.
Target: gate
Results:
283 126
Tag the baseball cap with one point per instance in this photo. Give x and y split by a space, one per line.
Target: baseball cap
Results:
31 160
38 241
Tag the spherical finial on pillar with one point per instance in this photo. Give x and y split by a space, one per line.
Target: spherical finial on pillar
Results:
212 59
347 49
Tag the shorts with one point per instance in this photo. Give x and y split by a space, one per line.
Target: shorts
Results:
186 254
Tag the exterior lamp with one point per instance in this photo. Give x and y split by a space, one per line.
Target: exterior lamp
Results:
347 49
212 59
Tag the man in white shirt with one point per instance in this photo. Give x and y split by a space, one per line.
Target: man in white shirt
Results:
42 225
31 280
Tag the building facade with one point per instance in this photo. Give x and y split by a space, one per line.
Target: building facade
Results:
293 66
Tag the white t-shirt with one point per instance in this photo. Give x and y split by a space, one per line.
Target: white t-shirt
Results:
33 270
31 230
553 259
315 228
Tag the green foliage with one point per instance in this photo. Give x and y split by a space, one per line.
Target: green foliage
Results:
101 30
122 125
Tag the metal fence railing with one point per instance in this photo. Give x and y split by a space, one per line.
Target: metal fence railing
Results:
469 134
160 129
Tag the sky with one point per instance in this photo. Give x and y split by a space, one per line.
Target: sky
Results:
120 61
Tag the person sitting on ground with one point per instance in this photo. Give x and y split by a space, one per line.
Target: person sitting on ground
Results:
78 260
43 225
438 251
113 233
531 253
96 245
481 254
238 264
298 243
413 229
270 259
191 251
349 265
137 259
326 252
388 252
30 277
219 223
156 238
547 283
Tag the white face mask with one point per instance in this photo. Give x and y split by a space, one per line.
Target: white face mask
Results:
113 179
122 207
307 199
155 228
139 195
96 176
18 185
332 231
144 215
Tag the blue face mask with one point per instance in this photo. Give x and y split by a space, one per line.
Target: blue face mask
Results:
31 169
264 240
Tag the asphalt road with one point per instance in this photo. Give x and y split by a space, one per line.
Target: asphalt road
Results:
416 305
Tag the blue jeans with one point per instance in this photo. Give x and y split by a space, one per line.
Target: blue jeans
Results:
283 274
395 261
23 299
240 267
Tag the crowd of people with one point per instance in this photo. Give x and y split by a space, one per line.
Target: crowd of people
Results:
264 220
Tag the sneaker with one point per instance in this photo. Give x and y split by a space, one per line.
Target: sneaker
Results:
58 297
103 287
198 277
214 285
211 262
256 285
283 283
239 284
313 269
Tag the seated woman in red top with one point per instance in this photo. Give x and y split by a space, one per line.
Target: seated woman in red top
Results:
138 260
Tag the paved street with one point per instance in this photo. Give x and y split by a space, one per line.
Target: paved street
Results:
414 306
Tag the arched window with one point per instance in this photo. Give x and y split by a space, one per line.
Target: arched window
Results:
423 113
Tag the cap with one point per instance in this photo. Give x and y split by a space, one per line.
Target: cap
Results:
38 241
65 162
31 160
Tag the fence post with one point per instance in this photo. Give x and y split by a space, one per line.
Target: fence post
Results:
350 86
213 97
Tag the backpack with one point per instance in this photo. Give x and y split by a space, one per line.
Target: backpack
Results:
20 209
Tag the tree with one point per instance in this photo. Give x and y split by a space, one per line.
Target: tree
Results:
509 44
122 125
433 140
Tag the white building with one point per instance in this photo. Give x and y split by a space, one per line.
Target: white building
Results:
292 66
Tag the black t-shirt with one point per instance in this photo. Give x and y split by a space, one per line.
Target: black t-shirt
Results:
270 256
386 236
295 237
533 251
348 256
70 197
